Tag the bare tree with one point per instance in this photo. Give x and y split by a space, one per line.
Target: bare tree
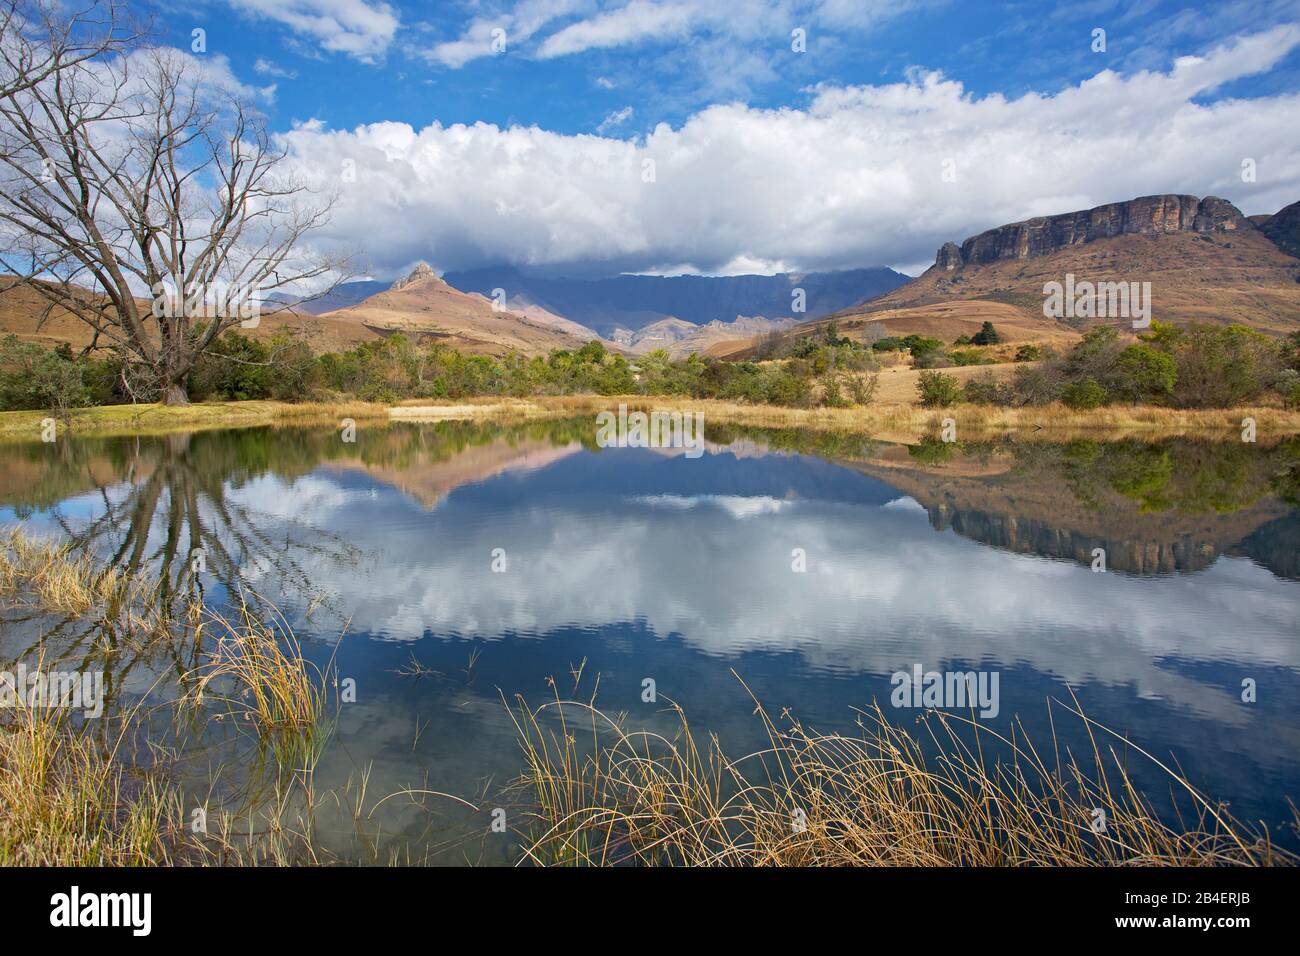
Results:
142 193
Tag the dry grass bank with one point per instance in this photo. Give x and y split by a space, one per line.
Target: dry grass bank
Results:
158 419
901 420
908 423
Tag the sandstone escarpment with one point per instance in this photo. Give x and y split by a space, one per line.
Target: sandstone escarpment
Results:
1284 229
1148 215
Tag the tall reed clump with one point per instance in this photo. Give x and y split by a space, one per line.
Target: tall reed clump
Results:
66 800
603 795
56 577
257 667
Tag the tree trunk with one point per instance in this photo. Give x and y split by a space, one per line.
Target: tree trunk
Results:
174 395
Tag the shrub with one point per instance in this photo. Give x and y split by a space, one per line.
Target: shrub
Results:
961 357
832 393
234 367
32 377
1084 395
987 335
938 390
1028 353
1218 366
987 390
1145 374
1037 384
862 388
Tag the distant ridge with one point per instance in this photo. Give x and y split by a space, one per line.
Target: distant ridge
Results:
628 303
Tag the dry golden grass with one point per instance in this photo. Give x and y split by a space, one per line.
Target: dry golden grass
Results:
876 799
65 800
159 419
258 668
908 423
57 580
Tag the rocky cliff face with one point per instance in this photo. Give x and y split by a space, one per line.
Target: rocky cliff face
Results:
1149 215
1284 229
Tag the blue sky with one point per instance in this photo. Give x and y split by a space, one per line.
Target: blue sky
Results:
770 158
1008 48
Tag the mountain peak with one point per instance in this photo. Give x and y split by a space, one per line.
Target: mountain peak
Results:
421 272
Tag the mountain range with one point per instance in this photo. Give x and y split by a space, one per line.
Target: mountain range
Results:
1204 260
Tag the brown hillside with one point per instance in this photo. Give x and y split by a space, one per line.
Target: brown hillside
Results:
425 306
1205 262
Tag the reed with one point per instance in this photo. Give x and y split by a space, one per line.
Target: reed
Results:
66 800
257 667
59 579
604 795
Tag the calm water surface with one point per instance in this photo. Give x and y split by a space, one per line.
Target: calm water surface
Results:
626 564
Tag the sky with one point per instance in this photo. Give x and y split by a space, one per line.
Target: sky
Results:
593 137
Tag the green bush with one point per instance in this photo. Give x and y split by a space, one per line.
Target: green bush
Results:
1028 353
987 335
37 378
962 357
1084 395
234 368
938 390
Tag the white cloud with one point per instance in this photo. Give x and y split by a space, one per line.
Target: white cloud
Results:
639 20
519 26
853 179
265 67
359 28
616 118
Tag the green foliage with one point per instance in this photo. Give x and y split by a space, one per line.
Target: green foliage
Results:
1028 353
938 390
1084 395
234 367
969 357
987 335
1219 366
1144 374
36 378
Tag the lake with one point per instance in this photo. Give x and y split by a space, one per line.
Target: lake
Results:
445 568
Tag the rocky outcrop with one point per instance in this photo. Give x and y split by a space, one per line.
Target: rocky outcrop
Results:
1283 228
1149 215
421 272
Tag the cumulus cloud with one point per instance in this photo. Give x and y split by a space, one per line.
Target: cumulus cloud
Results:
853 179
363 29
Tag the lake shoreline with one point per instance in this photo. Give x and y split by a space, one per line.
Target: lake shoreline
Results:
898 422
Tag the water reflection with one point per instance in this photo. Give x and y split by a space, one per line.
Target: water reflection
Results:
646 563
